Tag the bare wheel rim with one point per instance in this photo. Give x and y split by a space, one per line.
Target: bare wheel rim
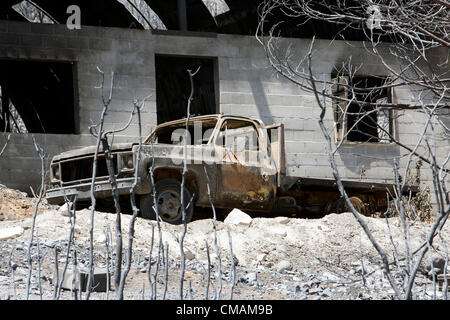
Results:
169 205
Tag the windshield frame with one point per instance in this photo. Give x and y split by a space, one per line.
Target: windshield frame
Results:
182 123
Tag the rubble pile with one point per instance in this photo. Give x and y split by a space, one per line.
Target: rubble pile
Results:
274 258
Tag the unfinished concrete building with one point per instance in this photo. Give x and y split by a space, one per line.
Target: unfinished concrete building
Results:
49 77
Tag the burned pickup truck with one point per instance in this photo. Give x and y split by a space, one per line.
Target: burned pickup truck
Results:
241 160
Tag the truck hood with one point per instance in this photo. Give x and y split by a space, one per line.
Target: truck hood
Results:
90 150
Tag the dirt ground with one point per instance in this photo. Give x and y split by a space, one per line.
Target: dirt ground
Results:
16 205
274 258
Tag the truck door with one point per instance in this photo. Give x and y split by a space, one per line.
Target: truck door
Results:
245 181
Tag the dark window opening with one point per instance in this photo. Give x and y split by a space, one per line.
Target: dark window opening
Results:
173 87
37 97
10 119
359 122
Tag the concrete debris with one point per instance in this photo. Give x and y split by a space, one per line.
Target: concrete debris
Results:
281 220
101 239
77 279
71 279
238 218
280 232
275 258
64 208
50 243
283 266
188 254
326 292
251 278
10 233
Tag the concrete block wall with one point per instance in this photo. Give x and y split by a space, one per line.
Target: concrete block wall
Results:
247 85
129 54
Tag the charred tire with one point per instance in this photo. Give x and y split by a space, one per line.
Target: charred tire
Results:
358 204
168 197
340 205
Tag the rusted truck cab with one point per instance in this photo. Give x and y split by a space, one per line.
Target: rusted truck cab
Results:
230 162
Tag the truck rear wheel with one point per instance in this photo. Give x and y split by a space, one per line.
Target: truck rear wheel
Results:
168 199
339 205
358 204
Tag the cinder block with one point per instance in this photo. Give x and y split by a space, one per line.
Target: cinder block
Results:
3 26
131 68
34 40
186 45
236 97
230 50
253 50
285 100
314 160
19 162
54 42
41 28
318 171
99 281
9 38
100 44
346 160
78 280
71 280
77 43
19 27
292 124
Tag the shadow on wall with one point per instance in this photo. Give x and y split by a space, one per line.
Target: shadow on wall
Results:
259 96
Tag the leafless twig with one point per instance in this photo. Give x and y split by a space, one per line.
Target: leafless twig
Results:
42 156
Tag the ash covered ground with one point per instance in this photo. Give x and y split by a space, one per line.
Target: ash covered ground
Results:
279 258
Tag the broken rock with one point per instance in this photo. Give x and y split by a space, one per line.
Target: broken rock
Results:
282 220
252 278
280 232
238 218
283 266
188 254
101 239
64 209
10 233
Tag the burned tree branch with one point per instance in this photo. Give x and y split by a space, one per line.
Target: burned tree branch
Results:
42 156
183 179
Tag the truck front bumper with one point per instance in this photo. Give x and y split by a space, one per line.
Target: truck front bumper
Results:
102 189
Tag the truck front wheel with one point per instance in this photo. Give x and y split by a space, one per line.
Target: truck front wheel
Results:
168 199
